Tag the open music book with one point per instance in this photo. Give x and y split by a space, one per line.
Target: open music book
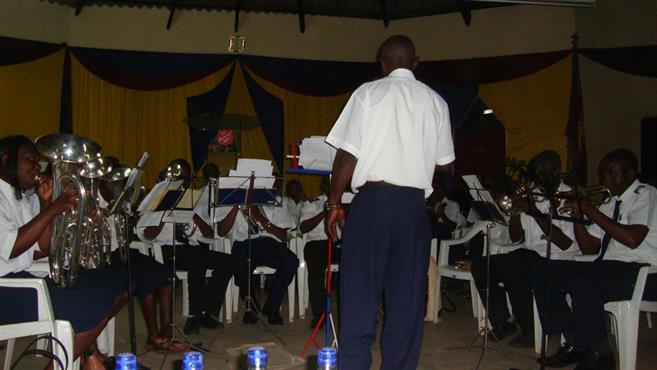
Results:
483 202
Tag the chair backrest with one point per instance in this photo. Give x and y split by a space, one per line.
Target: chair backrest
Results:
443 257
45 316
640 285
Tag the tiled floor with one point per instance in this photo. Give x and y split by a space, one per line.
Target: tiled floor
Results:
446 345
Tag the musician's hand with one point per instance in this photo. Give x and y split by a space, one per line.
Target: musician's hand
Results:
572 208
439 209
522 204
44 190
336 216
255 211
65 201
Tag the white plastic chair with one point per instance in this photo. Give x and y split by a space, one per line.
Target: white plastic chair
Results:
626 315
297 244
450 271
45 324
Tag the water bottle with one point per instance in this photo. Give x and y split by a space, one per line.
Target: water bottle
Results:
125 361
256 358
192 361
327 359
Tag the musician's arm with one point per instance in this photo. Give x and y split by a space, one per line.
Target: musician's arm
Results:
629 235
516 232
206 229
224 226
559 238
269 227
588 244
311 223
151 232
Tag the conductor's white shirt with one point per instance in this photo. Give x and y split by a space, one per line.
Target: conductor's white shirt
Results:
638 207
398 128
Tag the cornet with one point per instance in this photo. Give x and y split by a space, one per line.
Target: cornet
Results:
597 195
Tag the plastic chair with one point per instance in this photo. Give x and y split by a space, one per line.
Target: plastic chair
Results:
626 315
450 271
296 245
46 323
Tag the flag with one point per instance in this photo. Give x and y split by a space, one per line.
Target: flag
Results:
576 164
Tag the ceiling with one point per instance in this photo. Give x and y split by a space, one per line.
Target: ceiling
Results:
385 10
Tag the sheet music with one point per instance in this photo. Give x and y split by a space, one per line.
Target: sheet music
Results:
154 197
478 193
260 167
316 154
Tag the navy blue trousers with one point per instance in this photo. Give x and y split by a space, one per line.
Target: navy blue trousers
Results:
590 285
385 250
269 252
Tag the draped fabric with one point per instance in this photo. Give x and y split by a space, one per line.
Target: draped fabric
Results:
213 102
30 95
127 122
131 101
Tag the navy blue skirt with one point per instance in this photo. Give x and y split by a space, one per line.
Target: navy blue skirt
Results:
148 275
84 305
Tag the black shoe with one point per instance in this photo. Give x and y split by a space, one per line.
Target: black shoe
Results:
314 322
502 331
565 355
522 341
208 322
595 361
274 318
191 326
250 318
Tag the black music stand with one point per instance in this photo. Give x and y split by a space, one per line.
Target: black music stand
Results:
122 204
242 196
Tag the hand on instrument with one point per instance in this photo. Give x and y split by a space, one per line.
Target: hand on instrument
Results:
44 189
439 209
65 201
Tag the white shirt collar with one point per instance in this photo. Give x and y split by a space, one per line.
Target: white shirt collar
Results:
629 192
402 73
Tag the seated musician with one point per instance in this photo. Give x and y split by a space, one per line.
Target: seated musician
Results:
529 226
624 237
294 199
315 252
150 279
265 234
25 225
194 256
445 216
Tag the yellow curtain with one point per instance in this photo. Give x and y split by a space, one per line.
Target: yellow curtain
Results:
30 96
127 122
534 110
304 116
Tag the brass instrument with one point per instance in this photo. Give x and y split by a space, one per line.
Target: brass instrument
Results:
509 204
252 222
597 195
77 234
115 181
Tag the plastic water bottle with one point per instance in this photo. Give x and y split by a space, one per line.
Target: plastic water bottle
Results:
125 361
256 358
192 361
327 359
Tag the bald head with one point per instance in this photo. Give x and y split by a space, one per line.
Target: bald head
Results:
397 52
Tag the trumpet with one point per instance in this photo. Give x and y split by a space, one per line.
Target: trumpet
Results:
596 195
510 204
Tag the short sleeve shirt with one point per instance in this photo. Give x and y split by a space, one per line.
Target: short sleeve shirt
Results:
399 130
14 213
311 209
279 216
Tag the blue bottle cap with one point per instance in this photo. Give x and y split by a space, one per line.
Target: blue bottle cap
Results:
327 356
125 361
257 356
192 360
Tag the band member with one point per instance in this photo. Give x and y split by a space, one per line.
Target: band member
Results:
391 136
150 279
194 256
294 200
624 237
315 250
25 225
529 225
445 216
264 234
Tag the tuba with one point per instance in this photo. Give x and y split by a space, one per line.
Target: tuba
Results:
79 236
115 180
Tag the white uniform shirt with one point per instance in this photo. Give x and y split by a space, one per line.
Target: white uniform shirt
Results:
535 238
453 212
638 207
278 216
294 209
14 214
399 130
311 209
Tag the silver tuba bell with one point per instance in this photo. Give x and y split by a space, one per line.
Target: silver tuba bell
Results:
78 236
115 181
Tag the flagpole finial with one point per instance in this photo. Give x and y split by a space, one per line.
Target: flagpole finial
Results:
574 40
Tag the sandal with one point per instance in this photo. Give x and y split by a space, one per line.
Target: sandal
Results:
166 346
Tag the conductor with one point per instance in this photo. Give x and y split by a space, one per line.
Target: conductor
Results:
392 135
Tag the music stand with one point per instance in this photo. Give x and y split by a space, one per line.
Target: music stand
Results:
176 213
122 204
488 212
245 191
